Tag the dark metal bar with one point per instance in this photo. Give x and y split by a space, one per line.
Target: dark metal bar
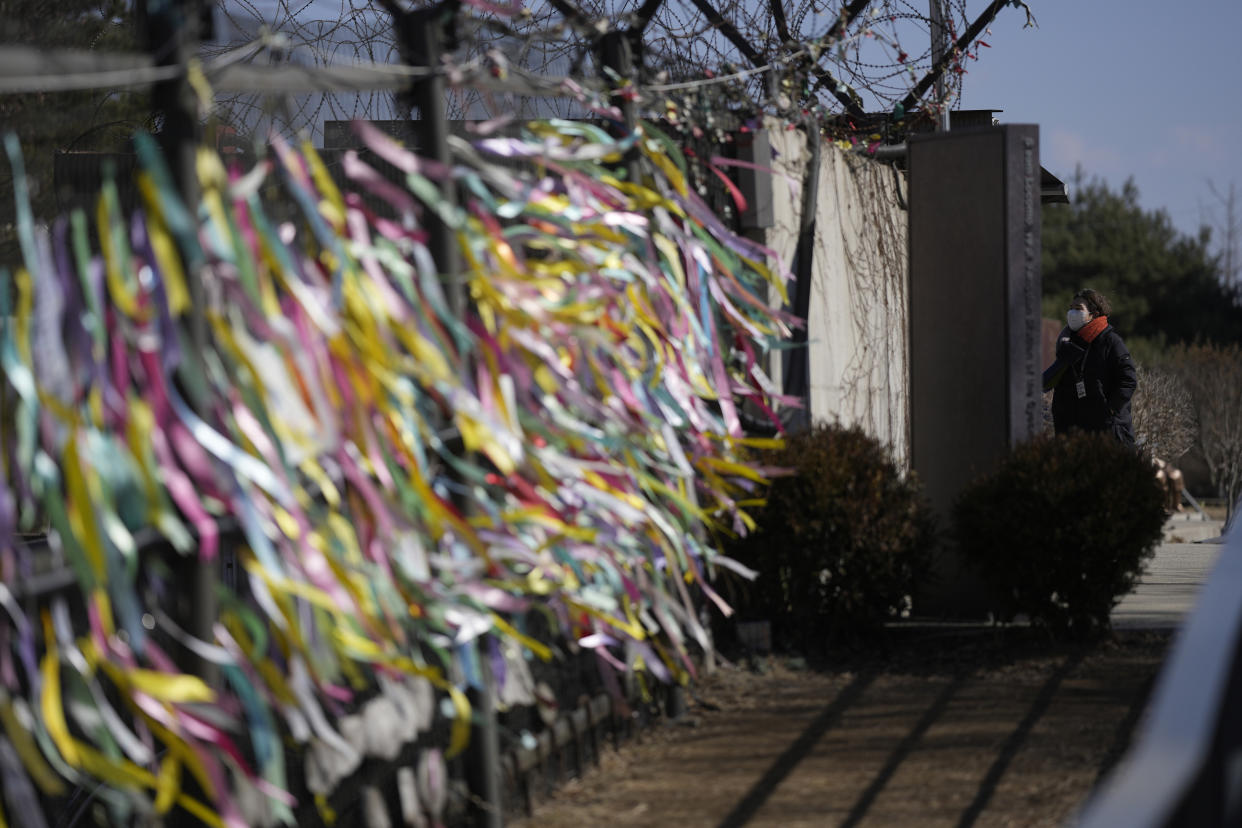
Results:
847 96
483 768
846 18
920 88
824 79
172 30
778 17
643 16
424 35
939 46
617 54
728 30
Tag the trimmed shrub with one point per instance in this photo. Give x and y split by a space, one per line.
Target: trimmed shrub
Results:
842 541
1062 530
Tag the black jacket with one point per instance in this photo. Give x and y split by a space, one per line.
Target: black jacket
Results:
1107 372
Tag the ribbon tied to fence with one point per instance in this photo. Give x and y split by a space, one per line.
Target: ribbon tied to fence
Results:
406 489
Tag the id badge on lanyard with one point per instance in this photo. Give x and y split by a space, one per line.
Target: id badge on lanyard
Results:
1080 387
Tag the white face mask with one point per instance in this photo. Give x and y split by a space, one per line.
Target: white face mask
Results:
1077 318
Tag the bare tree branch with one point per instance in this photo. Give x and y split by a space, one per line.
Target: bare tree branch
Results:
1164 418
1229 236
1213 376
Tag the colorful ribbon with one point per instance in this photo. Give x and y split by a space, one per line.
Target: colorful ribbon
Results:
399 485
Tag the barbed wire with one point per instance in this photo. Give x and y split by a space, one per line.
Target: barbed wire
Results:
874 56
322 59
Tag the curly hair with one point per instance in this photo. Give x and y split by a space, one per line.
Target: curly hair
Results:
1096 302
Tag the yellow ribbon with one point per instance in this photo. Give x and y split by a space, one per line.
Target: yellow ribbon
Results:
542 652
111 248
81 508
165 249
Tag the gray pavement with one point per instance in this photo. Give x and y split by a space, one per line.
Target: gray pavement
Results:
1167 592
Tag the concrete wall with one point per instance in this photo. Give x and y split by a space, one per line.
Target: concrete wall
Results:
857 319
924 326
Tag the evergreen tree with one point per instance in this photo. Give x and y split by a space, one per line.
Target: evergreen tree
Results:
1165 286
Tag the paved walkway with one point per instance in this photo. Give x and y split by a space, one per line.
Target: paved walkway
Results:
1167 593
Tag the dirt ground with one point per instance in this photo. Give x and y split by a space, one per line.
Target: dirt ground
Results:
947 728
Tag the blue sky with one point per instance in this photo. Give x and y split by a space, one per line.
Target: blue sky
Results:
1124 88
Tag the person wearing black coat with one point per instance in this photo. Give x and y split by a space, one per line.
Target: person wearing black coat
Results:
1093 376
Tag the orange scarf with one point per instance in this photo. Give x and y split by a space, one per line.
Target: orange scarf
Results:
1092 329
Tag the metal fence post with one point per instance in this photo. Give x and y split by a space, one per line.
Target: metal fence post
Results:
172 29
424 36
616 51
940 46
617 55
171 33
